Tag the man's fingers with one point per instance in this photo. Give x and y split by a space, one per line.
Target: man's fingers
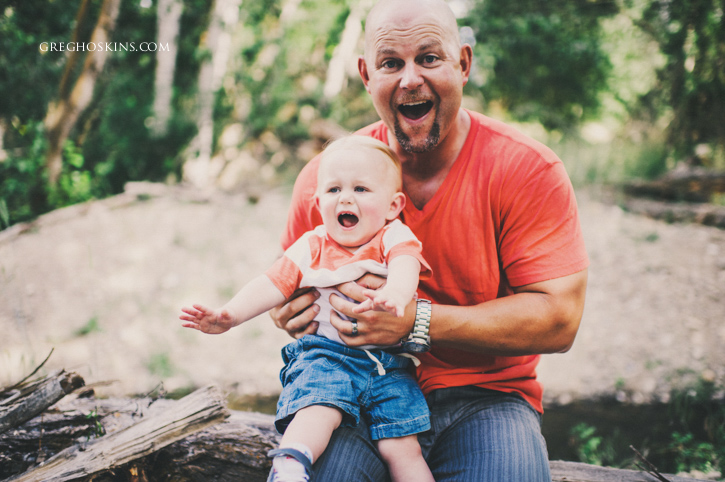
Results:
303 323
344 306
344 328
290 310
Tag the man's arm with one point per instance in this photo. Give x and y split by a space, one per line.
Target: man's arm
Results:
538 318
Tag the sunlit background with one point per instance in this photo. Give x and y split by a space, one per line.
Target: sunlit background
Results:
147 152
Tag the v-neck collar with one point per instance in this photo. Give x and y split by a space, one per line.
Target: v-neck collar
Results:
410 211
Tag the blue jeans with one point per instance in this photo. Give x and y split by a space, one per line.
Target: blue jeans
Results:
476 435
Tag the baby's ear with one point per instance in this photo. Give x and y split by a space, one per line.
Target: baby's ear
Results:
396 206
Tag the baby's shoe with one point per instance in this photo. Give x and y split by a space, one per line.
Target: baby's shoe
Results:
290 465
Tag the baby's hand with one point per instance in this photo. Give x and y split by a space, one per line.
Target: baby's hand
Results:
382 299
206 320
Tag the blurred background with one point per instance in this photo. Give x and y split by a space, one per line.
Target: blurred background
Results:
148 147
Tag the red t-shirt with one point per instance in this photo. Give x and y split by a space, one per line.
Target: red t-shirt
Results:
504 216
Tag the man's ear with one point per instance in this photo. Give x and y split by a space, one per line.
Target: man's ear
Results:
362 68
466 62
396 206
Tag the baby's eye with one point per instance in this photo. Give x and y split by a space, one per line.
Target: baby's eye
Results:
360 189
333 190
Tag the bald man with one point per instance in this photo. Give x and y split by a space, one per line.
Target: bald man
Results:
498 221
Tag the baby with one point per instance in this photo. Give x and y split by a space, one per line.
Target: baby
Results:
359 196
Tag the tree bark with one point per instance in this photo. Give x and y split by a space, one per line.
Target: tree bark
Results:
193 413
168 14
229 451
25 403
224 17
63 114
344 52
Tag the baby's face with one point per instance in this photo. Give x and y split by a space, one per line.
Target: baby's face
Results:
357 193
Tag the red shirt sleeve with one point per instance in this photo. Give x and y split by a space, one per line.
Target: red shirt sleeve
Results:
303 215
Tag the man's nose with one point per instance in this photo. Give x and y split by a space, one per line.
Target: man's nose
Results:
411 76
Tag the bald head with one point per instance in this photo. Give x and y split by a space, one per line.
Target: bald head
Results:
390 15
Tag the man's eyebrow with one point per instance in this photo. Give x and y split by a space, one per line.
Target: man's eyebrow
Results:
430 44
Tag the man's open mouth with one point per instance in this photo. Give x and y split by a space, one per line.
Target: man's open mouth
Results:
347 220
415 110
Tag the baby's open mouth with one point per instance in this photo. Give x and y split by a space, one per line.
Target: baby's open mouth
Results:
347 220
415 110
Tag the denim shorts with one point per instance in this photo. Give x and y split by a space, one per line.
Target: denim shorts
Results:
318 371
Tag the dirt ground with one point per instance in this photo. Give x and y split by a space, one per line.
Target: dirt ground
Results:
102 285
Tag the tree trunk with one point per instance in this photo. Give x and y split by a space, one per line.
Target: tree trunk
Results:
229 451
63 113
26 402
189 415
344 52
224 17
168 17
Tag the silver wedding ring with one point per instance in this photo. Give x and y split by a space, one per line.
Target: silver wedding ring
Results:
354 328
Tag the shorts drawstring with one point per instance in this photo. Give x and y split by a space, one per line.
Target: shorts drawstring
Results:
379 365
381 369
416 362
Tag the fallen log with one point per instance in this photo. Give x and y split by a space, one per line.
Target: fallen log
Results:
706 214
24 402
684 184
191 414
232 450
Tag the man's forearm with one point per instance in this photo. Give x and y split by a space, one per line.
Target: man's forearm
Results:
539 318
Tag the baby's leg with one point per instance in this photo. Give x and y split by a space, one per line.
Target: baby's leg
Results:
404 458
309 432
312 427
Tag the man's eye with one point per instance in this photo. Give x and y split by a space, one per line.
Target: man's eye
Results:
389 64
429 59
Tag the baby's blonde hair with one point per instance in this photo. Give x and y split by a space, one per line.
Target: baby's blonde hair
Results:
355 142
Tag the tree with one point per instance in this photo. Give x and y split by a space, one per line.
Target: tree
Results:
542 60
64 112
691 35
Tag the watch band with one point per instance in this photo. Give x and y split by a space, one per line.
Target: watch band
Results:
419 339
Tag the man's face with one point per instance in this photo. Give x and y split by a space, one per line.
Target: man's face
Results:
412 69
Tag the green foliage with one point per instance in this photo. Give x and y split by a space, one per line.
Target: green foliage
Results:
111 143
685 434
542 60
97 428
691 35
91 327
160 365
691 454
590 447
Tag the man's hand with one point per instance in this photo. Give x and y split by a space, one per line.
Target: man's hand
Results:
295 316
374 327
207 320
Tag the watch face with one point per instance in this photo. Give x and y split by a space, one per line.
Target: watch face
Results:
413 347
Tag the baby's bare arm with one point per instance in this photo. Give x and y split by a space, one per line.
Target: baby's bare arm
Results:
256 297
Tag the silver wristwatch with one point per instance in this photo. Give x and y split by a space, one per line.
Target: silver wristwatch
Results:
419 339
